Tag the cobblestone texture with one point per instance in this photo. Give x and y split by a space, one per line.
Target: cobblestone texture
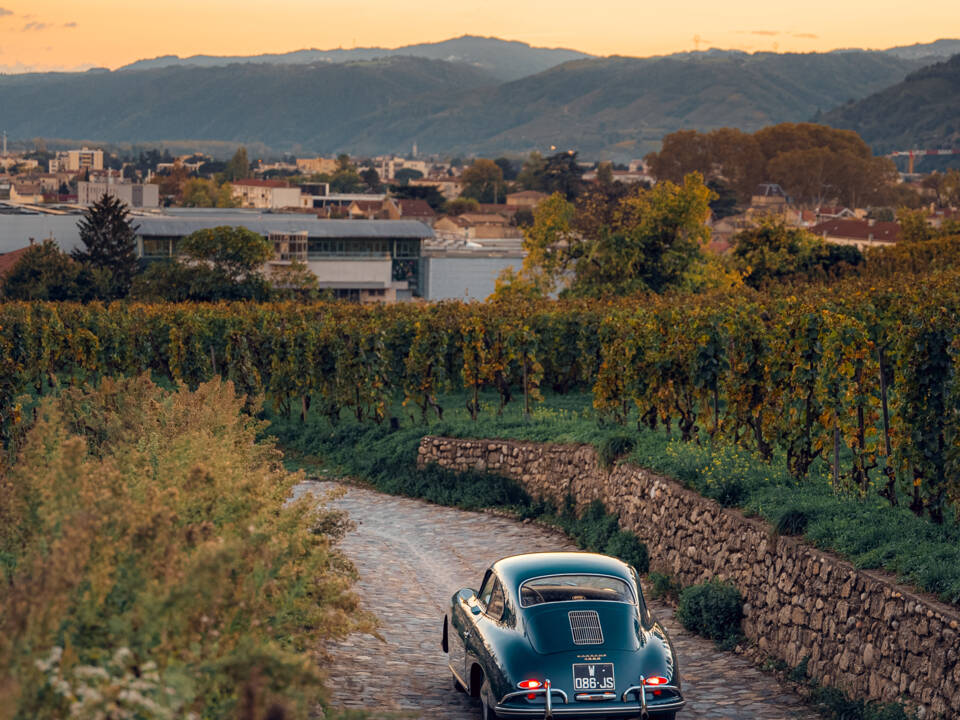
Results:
412 557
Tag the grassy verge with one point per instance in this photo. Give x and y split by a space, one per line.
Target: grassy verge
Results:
867 531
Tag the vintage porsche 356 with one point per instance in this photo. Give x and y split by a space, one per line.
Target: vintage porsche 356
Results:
561 635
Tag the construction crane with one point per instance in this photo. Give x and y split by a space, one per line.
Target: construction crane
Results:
914 154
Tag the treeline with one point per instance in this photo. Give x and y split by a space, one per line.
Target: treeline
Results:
863 375
815 164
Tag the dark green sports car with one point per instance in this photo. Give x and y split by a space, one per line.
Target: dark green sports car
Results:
561 635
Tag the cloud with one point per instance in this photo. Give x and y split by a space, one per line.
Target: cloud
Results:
769 33
4 12
35 26
808 36
70 25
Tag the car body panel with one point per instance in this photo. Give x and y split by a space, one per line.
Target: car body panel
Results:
536 643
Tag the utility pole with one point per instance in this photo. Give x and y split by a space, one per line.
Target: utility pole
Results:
4 143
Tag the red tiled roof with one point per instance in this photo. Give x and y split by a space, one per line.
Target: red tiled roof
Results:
261 183
415 207
496 209
10 259
859 230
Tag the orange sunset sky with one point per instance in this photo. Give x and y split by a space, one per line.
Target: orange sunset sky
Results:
47 34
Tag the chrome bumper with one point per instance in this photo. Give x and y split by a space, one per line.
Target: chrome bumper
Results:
587 709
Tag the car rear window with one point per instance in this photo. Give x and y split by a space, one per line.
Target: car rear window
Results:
564 588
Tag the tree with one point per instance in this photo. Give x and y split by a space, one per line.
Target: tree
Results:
43 272
507 167
371 179
772 251
239 166
655 236
405 175
531 174
483 181
109 237
563 174
429 193
461 205
204 193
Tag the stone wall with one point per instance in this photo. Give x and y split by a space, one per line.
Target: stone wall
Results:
861 631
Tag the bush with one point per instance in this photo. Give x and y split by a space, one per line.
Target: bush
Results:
615 447
792 522
151 559
714 610
662 586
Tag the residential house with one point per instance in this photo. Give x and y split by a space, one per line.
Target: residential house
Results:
26 193
862 233
8 261
527 198
769 197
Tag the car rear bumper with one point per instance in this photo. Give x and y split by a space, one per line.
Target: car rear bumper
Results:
591 710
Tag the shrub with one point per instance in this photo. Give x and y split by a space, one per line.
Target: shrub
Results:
628 547
149 544
615 447
714 610
792 522
662 586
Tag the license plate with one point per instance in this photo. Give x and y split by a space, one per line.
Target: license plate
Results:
593 676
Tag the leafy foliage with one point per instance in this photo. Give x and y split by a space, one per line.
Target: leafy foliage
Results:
714 610
149 545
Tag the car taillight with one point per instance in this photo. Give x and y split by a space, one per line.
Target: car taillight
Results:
529 684
655 681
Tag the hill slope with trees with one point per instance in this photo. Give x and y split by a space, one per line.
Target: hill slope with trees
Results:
920 112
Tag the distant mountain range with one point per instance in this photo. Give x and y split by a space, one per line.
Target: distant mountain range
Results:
922 112
454 101
504 59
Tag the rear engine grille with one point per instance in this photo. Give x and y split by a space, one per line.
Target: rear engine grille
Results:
585 626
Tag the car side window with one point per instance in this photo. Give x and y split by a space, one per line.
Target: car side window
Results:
486 591
495 606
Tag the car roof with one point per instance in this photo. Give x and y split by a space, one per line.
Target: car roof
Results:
516 569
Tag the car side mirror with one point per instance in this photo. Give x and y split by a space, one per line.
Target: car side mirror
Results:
469 597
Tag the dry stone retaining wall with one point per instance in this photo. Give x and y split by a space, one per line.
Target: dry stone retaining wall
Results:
861 631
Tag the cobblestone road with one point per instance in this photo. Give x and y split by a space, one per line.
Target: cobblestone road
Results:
412 556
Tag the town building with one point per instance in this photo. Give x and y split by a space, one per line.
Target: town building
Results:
526 199
265 194
317 166
135 195
77 160
769 197
862 233
362 260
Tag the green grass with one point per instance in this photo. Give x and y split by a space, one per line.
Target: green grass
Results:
868 532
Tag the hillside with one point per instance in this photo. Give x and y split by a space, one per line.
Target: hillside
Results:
505 59
279 105
616 107
624 106
923 111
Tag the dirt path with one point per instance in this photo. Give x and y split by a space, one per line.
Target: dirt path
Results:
412 556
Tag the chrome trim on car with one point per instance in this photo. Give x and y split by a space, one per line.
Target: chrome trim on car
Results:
595 697
642 690
547 691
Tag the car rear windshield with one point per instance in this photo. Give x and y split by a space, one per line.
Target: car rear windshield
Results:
563 588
